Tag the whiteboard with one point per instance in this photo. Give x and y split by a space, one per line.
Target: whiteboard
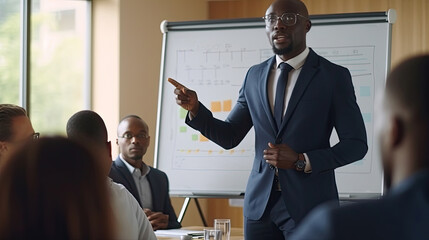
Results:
212 58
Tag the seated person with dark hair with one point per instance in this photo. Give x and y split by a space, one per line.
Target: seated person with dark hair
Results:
403 129
131 223
43 197
15 128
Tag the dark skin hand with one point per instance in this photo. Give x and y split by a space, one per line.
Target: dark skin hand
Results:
186 98
158 220
280 156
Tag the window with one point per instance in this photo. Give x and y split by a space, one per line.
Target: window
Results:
59 64
10 51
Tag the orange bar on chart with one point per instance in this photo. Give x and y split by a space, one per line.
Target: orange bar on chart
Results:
203 139
216 106
227 105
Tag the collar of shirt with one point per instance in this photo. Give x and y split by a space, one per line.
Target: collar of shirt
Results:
295 62
145 171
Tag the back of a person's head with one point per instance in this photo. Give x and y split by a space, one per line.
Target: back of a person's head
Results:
7 113
408 86
407 92
53 188
86 126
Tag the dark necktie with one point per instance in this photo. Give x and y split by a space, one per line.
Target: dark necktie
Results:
280 93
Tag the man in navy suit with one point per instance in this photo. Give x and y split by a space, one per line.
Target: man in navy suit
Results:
293 168
403 131
148 185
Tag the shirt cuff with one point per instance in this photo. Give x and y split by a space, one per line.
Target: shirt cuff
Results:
307 168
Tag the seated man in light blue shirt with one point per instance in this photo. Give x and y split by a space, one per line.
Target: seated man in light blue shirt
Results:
148 185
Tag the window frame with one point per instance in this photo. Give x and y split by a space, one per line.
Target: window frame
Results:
25 57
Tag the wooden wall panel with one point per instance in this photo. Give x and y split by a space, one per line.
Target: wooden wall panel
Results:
410 36
410 33
219 208
237 9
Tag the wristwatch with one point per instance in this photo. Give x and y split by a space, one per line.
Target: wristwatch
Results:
300 163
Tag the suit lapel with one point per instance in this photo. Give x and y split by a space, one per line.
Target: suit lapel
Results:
153 183
264 93
308 70
128 177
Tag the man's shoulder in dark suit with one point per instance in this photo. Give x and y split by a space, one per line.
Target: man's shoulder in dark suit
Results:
157 172
402 214
117 172
160 195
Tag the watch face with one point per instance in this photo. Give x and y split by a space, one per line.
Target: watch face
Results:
300 164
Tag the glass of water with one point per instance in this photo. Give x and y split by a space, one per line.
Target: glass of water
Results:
224 225
212 234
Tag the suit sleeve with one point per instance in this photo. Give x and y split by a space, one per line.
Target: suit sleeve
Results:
168 208
172 219
349 125
229 133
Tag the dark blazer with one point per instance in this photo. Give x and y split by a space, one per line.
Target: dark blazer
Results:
158 181
401 214
323 98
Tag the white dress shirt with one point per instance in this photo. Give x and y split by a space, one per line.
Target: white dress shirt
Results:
296 63
131 222
142 184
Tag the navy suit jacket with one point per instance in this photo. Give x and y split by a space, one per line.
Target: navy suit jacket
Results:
401 214
323 98
158 182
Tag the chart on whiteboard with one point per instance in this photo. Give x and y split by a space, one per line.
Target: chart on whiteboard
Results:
214 71
218 70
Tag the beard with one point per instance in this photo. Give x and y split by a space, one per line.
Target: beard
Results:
282 51
137 157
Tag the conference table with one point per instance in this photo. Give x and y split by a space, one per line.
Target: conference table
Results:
236 233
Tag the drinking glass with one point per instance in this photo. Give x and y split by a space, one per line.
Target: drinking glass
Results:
224 225
212 234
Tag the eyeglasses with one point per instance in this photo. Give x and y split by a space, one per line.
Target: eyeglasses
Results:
141 136
288 19
35 136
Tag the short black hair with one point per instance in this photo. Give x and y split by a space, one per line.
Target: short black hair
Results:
7 113
130 116
87 125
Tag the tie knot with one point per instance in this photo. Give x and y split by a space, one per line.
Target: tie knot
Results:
284 66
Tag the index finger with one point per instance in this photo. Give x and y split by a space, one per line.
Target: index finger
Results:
176 84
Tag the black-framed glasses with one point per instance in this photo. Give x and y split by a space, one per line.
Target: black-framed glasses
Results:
288 19
141 136
35 136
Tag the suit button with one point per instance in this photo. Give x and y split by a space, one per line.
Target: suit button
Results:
279 140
